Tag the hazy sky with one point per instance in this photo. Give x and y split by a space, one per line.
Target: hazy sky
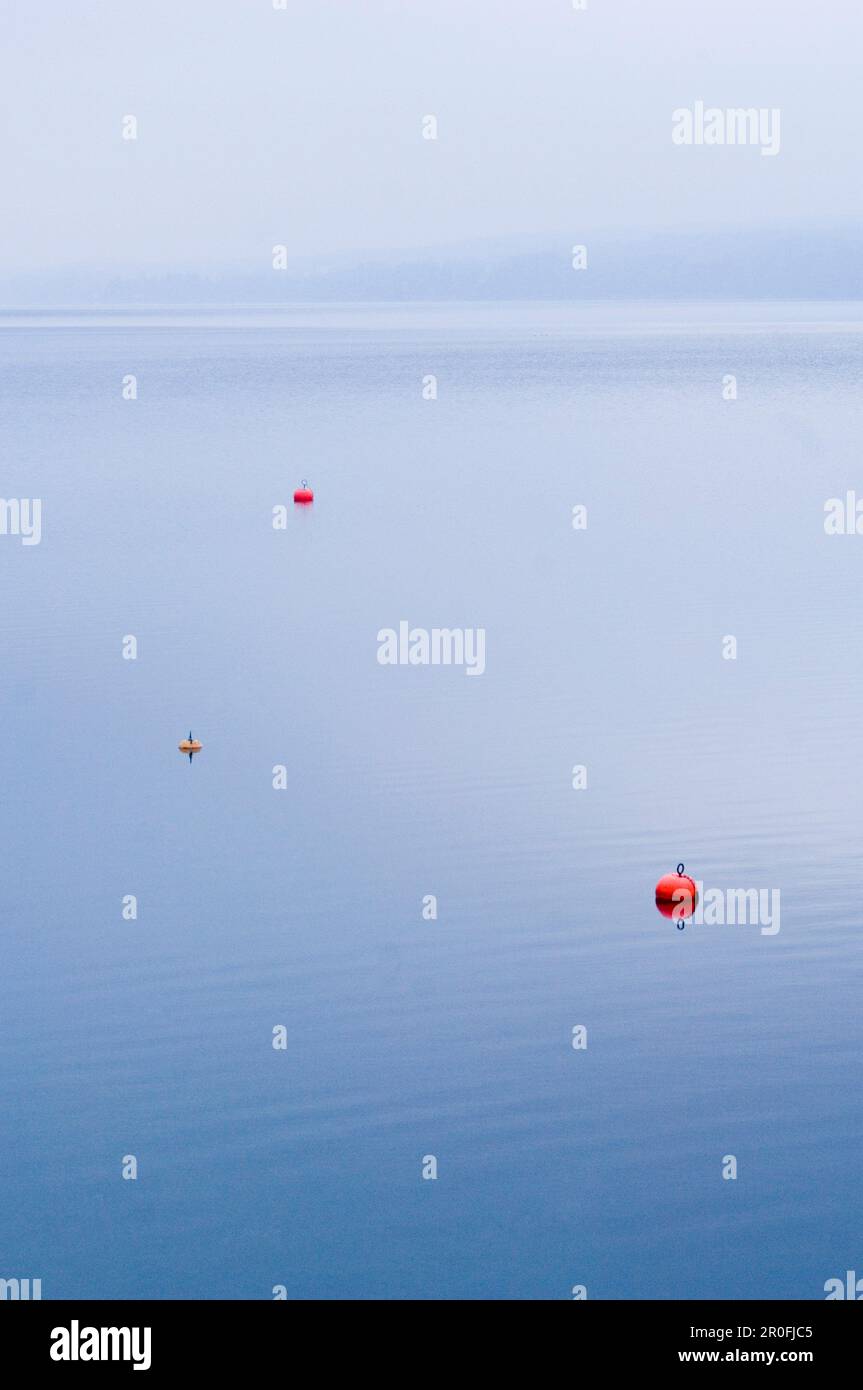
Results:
303 126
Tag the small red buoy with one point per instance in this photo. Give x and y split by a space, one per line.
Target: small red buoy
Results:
304 494
676 895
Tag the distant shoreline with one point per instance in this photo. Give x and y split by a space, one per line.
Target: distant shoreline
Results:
614 316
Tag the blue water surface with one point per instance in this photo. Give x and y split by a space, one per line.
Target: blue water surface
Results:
302 907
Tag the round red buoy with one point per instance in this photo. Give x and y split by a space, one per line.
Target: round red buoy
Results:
676 895
304 493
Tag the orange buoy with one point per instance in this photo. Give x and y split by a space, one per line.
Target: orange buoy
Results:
189 745
676 895
304 494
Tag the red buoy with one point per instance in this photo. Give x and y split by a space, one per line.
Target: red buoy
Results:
676 895
304 494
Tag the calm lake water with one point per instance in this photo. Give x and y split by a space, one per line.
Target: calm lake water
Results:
303 907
